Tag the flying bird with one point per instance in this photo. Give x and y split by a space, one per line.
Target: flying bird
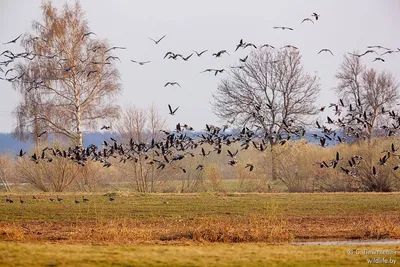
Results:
105 127
114 47
283 28
290 46
87 34
172 112
243 59
377 46
140 62
325 50
378 59
172 84
220 53
159 40
199 54
14 40
307 19
267 45
315 15
186 58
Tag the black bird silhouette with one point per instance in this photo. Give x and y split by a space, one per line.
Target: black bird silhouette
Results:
243 59
290 46
170 110
241 44
113 58
199 54
172 84
325 50
267 45
21 153
378 59
389 52
105 127
186 58
250 44
114 47
315 15
307 19
218 71
366 52
377 46
14 40
87 34
40 135
283 28
250 165
91 72
140 62
220 53
157 41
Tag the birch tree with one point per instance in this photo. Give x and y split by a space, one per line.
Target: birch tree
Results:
74 74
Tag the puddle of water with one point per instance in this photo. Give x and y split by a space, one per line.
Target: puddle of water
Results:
350 242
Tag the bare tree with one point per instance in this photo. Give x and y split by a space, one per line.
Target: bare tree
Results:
55 176
6 167
367 90
271 90
74 74
142 126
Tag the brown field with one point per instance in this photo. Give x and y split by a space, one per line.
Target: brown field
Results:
203 218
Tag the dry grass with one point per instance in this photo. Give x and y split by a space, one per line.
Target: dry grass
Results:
50 254
199 218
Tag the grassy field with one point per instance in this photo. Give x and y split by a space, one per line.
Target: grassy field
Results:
179 218
211 255
193 229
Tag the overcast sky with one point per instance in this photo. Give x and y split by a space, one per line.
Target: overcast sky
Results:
214 25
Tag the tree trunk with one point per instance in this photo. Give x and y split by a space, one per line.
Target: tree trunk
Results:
274 165
79 126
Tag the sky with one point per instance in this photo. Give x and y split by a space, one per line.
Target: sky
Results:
343 26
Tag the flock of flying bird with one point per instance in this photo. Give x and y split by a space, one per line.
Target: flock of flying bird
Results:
177 144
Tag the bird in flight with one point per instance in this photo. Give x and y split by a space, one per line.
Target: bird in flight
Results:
172 112
325 50
283 28
157 41
377 46
114 47
14 40
220 53
366 52
267 45
199 54
172 84
218 71
87 34
307 19
315 15
290 46
186 58
244 59
105 127
140 62
378 59
389 52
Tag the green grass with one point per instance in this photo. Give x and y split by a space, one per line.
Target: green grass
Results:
186 206
211 255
